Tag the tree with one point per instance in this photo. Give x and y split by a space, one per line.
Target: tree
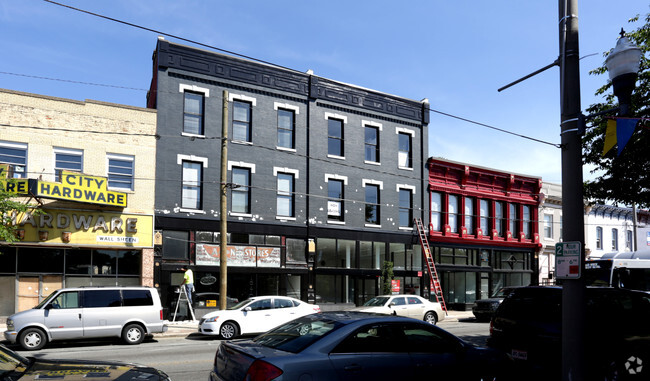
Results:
387 278
623 179
8 208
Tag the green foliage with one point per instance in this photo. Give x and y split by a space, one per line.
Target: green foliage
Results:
9 206
387 276
624 179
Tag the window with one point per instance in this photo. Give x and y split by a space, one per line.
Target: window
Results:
102 298
513 220
137 298
241 197
372 144
120 171
14 154
453 213
469 215
405 208
628 240
285 195
241 121
614 239
599 238
372 204
286 127
484 210
499 218
335 137
67 159
192 182
193 113
436 211
548 226
405 159
335 199
65 300
527 225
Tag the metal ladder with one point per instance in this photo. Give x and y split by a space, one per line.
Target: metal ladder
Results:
182 293
431 267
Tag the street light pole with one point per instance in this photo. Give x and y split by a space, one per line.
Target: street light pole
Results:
573 290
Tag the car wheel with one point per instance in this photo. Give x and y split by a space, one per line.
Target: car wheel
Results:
626 367
133 334
431 318
228 330
33 339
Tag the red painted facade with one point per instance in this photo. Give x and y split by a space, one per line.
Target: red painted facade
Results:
518 197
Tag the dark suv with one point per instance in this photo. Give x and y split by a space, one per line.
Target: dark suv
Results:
484 309
527 325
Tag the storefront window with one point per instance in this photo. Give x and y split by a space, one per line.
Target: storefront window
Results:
326 252
370 254
176 244
39 260
296 251
78 262
7 259
398 256
334 289
414 258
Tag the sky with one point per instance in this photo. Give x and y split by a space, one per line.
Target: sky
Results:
456 54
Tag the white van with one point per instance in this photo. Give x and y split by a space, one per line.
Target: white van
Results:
89 312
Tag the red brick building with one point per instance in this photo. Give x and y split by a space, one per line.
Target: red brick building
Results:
483 229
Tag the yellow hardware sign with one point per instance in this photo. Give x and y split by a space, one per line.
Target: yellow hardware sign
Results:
84 228
10 185
82 188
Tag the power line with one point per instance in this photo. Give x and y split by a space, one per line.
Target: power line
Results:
283 67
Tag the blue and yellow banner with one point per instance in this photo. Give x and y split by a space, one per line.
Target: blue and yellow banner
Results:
618 133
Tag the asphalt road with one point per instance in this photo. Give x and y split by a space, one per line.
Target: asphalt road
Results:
190 358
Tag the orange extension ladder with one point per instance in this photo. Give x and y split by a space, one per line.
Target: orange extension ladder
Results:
431 267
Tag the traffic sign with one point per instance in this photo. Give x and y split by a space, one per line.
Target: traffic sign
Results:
567 260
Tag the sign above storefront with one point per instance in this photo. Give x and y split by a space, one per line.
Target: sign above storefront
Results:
84 228
79 187
73 186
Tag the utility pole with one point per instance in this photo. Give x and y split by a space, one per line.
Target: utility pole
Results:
223 235
573 290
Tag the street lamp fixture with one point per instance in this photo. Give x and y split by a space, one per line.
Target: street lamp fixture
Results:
623 66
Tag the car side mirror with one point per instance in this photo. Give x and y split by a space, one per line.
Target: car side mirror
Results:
247 309
391 304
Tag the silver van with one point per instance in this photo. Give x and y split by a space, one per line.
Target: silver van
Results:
89 312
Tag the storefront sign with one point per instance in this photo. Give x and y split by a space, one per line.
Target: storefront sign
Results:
81 188
242 256
85 228
11 185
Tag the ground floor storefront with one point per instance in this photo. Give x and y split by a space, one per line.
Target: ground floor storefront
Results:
71 248
334 268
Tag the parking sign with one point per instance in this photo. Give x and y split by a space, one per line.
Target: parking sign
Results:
567 260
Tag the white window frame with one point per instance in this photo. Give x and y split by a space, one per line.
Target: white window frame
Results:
402 130
180 158
344 179
251 167
125 158
380 184
413 189
67 151
182 88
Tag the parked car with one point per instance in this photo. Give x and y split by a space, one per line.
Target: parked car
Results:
210 300
254 315
483 309
16 367
356 346
528 325
88 312
412 306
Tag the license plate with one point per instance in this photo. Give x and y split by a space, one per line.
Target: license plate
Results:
519 355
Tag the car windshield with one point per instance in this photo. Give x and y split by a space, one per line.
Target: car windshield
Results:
240 304
502 293
46 300
298 334
11 362
376 301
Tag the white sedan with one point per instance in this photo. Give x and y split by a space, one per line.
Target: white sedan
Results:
254 315
404 305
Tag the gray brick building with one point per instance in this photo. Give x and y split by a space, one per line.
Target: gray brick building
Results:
324 177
